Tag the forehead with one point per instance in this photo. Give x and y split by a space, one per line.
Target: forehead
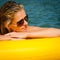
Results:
19 15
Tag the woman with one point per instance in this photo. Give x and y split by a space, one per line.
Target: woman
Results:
14 23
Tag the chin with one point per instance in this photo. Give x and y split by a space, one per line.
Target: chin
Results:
24 29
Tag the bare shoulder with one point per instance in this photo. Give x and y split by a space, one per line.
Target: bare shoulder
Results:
35 28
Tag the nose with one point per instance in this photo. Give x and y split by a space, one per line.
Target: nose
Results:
25 23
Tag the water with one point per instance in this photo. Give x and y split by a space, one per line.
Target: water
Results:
42 13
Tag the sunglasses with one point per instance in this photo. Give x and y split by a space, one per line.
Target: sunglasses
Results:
21 22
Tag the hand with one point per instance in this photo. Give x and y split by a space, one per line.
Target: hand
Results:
17 35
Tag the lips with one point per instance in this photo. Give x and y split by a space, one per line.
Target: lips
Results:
24 29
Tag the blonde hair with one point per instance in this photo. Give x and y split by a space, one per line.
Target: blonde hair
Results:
7 12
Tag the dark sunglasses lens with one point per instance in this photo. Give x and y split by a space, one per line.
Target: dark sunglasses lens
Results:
20 22
26 18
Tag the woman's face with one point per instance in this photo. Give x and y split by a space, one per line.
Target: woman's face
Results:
20 21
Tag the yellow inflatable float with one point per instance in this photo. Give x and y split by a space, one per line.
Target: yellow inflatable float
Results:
31 49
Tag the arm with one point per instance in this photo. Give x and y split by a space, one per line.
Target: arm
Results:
50 32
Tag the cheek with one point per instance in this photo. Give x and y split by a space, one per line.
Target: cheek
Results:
15 28
12 27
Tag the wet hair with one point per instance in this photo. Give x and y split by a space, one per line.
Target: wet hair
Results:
7 12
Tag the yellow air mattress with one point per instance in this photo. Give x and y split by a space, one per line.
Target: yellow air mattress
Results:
31 49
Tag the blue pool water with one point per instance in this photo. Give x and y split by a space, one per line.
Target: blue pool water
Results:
42 13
